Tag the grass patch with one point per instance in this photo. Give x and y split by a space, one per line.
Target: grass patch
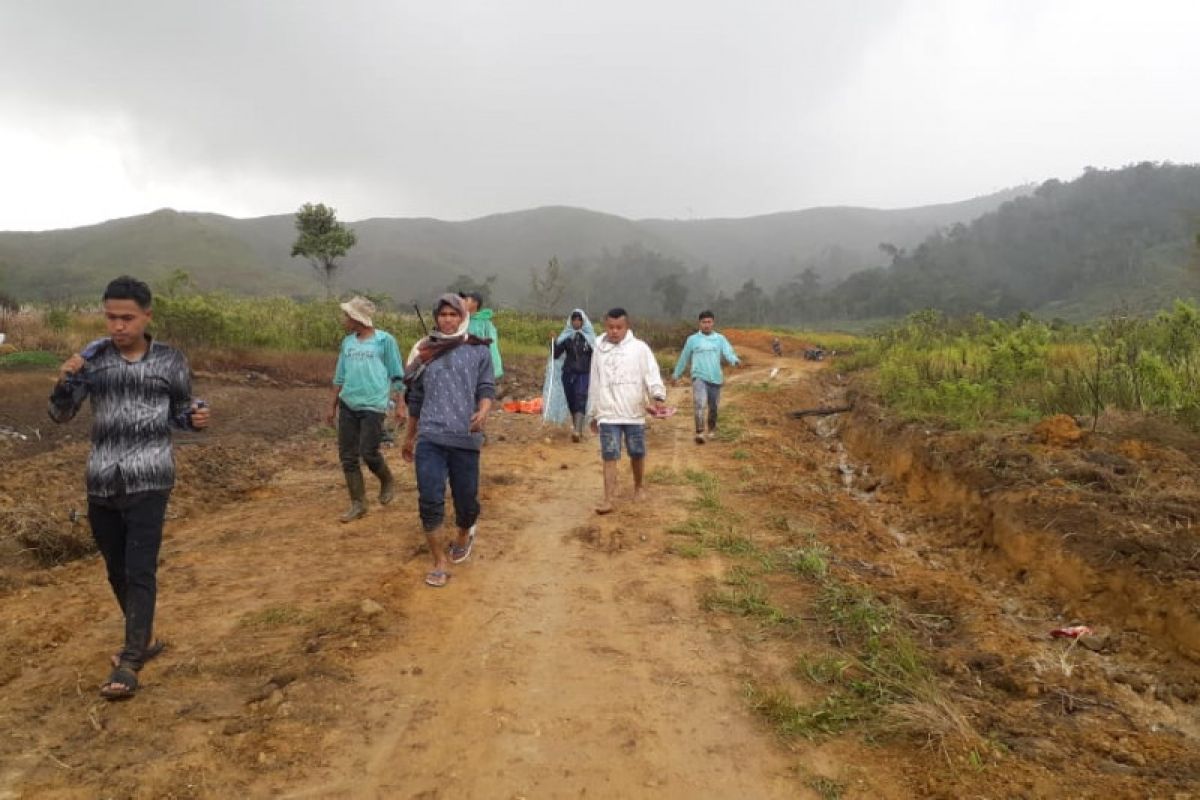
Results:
825 669
827 788
693 526
29 359
687 549
791 720
731 544
749 600
274 617
741 455
809 561
665 476
732 426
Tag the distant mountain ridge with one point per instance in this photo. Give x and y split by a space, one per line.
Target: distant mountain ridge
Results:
1123 239
418 257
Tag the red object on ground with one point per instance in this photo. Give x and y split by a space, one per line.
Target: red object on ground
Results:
533 406
1073 632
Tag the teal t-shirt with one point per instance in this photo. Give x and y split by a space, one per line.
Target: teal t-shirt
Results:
367 370
481 325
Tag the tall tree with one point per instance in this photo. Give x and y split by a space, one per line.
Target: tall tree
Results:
674 291
547 287
322 240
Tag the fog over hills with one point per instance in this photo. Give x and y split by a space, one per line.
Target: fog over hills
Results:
417 257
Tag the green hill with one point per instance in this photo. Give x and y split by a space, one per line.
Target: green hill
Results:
415 258
1110 239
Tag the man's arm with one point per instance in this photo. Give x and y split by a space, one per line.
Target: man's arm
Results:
681 363
485 392
185 414
593 389
654 383
728 352
395 370
339 378
414 398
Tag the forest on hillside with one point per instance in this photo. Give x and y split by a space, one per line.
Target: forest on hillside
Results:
1126 239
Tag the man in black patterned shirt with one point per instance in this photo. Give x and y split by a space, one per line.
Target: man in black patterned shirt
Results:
139 388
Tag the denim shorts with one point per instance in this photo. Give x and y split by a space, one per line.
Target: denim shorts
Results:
610 440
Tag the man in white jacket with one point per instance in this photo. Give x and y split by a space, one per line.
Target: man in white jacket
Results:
624 374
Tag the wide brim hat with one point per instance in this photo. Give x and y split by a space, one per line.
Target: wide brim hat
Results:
359 309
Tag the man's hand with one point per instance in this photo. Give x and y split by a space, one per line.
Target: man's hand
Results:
71 366
408 450
595 426
478 419
401 416
331 417
200 416
660 406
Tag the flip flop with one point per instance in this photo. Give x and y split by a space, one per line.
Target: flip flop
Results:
156 647
125 677
437 578
459 555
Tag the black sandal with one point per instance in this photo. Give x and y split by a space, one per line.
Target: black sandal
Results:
125 678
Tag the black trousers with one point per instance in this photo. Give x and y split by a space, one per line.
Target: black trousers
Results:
359 436
128 531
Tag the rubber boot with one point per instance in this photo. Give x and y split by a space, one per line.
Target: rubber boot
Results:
358 497
387 485
577 434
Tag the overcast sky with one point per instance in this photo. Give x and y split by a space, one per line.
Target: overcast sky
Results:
694 108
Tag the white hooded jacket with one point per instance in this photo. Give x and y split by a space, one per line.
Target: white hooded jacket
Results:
623 376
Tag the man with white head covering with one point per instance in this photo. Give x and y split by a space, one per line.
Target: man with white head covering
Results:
368 373
574 346
451 387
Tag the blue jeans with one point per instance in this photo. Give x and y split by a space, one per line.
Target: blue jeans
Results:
434 464
610 440
705 394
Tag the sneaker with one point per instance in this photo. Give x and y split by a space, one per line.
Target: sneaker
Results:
700 438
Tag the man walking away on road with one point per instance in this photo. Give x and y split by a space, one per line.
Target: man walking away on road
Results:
450 392
483 328
624 373
368 371
574 346
705 349
139 388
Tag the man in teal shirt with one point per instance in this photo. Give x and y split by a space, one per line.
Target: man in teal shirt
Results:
368 372
705 349
482 327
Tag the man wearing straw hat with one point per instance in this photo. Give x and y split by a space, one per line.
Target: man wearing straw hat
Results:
369 372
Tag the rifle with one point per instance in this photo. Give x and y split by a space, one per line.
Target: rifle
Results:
417 308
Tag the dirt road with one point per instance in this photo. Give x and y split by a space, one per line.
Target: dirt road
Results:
567 658
608 657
